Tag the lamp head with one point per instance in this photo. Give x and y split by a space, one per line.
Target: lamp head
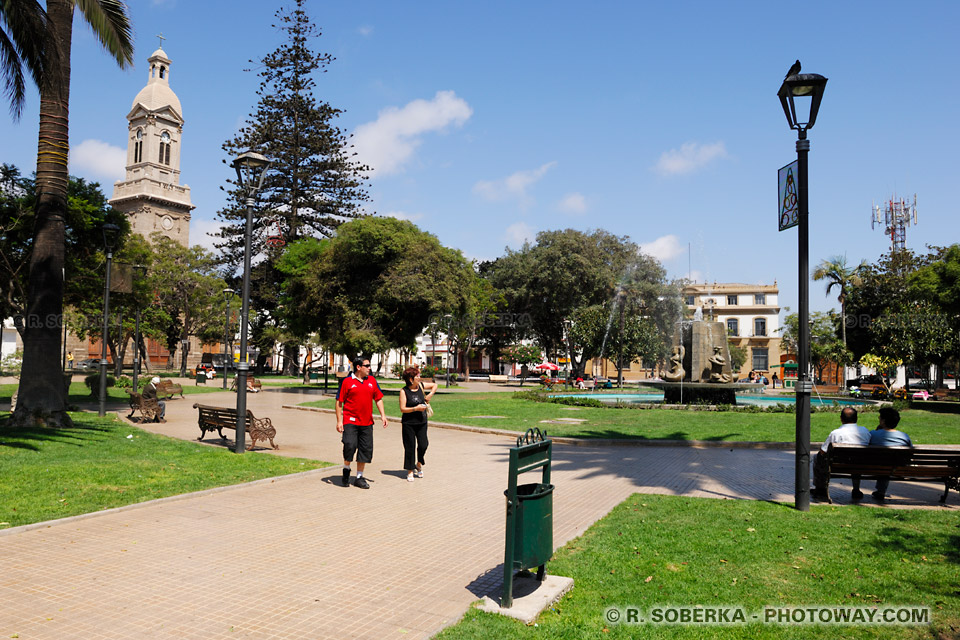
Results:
803 86
111 233
251 167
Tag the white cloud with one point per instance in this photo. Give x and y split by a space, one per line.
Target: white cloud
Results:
663 248
401 215
573 203
690 157
518 233
388 143
513 186
97 159
200 231
365 30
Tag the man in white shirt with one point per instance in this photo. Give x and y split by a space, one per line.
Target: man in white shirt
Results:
848 433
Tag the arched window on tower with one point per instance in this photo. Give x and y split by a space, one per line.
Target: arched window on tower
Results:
164 148
138 147
163 72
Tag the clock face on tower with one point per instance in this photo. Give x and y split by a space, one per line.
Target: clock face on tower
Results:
165 136
139 134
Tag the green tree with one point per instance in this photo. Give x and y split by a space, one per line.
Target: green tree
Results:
314 185
21 46
372 287
825 347
840 276
522 354
41 394
84 259
938 284
568 270
188 290
476 309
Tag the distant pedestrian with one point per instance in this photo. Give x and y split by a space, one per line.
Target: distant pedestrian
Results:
70 360
415 408
355 418
775 379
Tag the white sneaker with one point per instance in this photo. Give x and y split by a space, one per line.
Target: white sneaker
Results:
410 478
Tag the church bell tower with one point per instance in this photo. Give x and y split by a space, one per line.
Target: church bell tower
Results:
151 194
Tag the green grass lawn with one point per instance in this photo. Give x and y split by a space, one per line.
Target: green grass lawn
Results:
102 463
80 394
663 550
924 427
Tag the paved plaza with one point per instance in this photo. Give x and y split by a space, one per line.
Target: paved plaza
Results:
304 557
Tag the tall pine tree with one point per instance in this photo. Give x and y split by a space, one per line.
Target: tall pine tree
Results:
314 183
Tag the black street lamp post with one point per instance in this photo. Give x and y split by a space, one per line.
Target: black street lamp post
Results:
447 359
140 271
251 168
111 232
802 86
227 351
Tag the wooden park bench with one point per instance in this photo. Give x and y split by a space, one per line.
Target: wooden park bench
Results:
898 463
149 408
252 383
166 389
220 418
498 379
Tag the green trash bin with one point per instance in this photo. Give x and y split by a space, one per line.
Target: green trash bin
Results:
201 377
533 526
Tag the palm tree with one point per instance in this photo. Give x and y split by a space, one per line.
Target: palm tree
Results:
42 394
837 274
19 48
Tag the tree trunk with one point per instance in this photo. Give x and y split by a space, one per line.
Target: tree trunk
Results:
41 396
291 359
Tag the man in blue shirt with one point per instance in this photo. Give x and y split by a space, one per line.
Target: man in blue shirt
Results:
849 432
887 435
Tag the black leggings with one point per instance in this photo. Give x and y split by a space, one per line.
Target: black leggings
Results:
414 442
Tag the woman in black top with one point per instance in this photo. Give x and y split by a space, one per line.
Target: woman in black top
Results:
413 405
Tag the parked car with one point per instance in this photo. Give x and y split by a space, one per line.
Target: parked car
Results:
859 381
90 364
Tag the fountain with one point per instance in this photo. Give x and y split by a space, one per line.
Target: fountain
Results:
700 366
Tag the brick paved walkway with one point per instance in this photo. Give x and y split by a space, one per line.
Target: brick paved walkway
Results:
303 557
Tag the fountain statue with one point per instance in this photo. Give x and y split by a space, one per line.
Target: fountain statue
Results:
700 366
676 372
717 364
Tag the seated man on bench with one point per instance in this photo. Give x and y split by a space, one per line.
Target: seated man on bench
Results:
887 435
150 391
848 433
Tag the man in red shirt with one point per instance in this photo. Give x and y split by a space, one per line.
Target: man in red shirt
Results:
355 418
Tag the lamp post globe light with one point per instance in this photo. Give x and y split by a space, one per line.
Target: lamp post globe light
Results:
803 90
111 233
251 168
227 351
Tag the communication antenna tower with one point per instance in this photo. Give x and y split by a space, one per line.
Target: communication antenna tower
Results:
895 217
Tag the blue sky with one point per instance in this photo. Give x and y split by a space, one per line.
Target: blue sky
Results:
489 121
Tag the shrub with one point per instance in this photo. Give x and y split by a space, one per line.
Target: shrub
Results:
93 383
432 371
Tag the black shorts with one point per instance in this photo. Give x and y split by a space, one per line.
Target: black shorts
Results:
357 440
